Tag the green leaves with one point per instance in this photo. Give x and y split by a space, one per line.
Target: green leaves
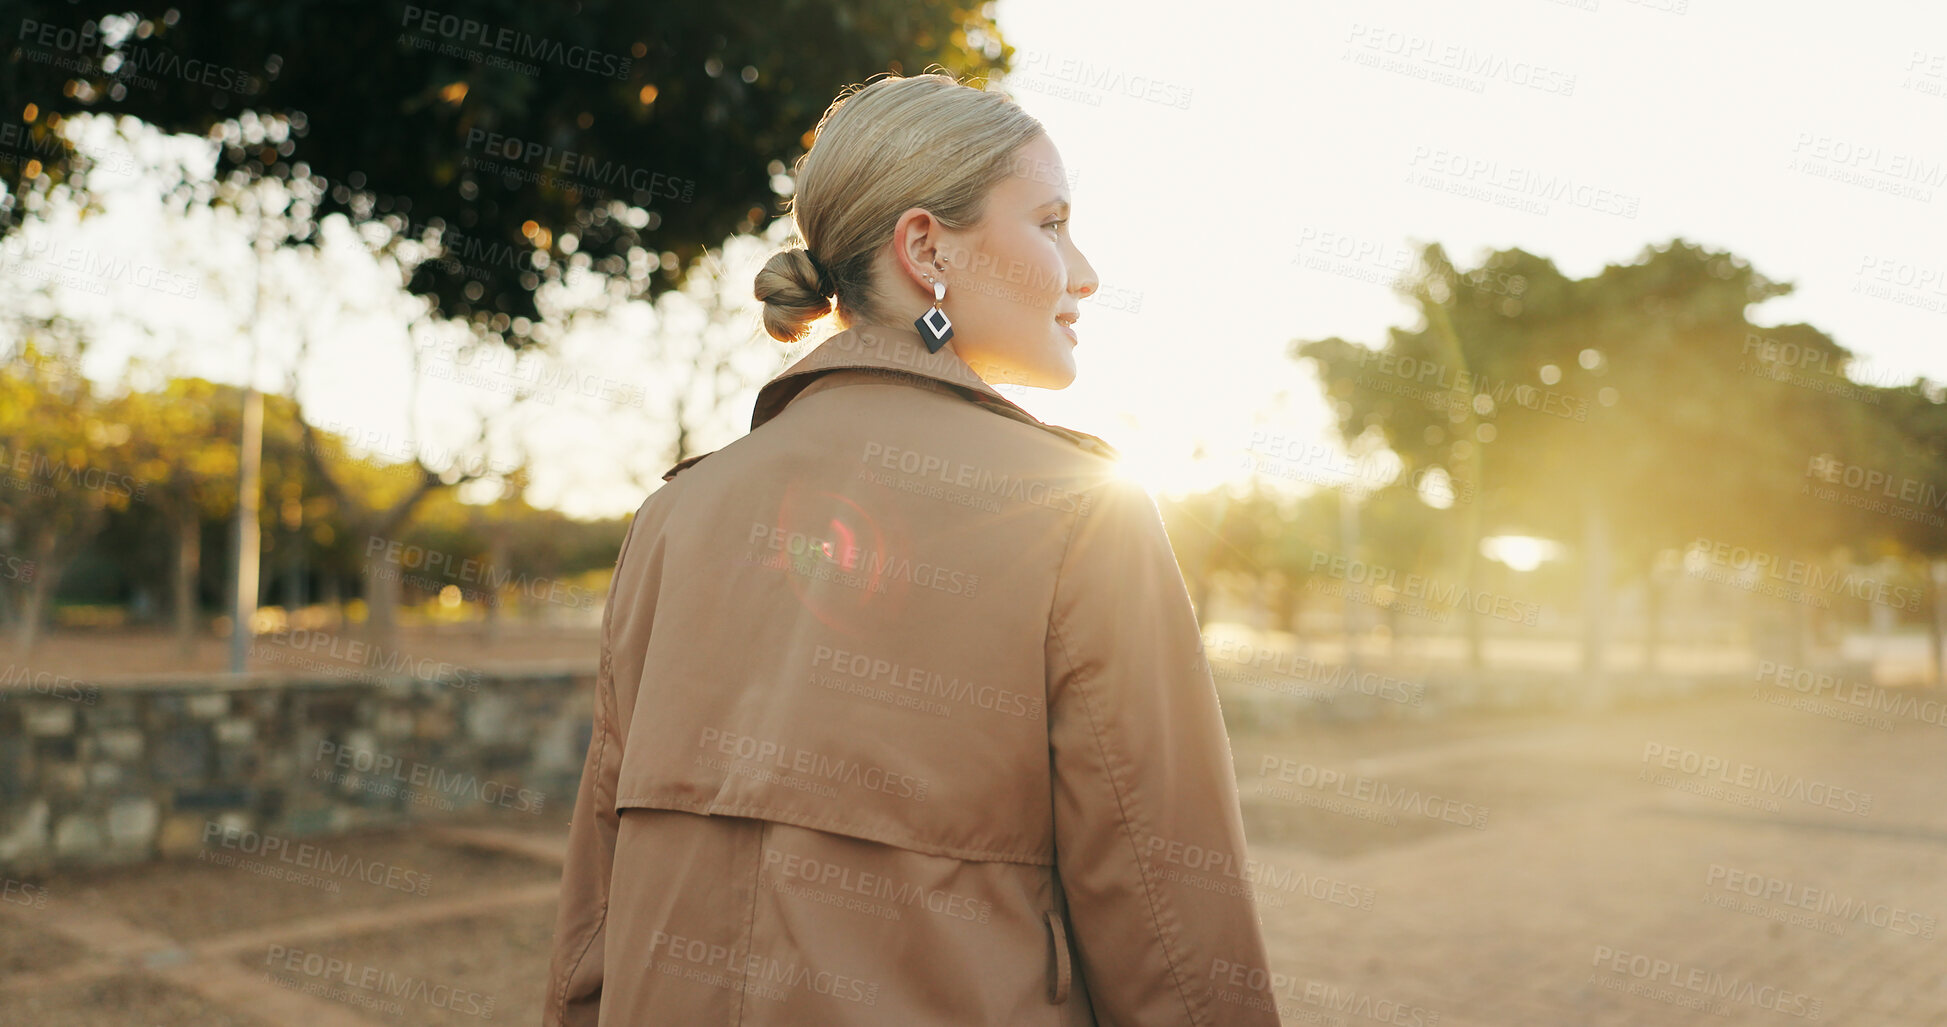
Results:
598 108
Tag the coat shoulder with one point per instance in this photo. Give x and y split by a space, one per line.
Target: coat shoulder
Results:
680 465
1085 442
1079 439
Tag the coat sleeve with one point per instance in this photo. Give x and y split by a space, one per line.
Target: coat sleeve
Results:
1149 839
575 969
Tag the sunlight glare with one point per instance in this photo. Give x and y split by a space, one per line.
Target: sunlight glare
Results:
1520 552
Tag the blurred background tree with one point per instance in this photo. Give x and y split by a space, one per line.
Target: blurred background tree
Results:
641 135
1633 412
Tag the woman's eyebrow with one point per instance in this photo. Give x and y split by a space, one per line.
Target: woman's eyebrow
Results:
1058 203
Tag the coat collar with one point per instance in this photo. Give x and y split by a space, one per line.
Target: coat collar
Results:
897 354
882 348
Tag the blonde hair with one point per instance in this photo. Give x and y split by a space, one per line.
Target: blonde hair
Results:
880 149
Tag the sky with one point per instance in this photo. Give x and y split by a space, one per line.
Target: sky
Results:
1242 178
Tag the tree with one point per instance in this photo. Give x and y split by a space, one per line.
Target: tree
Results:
61 468
620 138
184 449
1435 393
1619 409
1908 430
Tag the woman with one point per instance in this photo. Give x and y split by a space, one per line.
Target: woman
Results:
902 715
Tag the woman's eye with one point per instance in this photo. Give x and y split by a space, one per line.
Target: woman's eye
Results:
1056 223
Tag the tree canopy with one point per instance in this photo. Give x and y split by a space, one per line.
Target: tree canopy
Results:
532 140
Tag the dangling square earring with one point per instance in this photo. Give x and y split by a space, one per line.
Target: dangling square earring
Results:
934 326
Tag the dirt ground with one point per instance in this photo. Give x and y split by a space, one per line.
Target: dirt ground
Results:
1593 863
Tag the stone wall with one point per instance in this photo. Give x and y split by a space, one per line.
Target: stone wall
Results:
93 774
99 774
1276 699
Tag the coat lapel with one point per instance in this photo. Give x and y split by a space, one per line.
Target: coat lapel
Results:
881 348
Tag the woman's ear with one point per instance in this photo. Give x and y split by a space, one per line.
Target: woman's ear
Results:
916 242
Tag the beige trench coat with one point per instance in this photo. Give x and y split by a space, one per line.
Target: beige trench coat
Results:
903 718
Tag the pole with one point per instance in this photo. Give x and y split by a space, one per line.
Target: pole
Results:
244 555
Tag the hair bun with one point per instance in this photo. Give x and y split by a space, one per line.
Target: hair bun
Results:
824 284
794 293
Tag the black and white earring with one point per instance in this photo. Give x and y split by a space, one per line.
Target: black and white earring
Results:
934 326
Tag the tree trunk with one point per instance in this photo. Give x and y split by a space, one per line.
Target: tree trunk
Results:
1803 627
27 631
1595 586
1653 595
382 593
294 583
1938 635
1200 597
496 559
1476 637
48 565
189 563
1471 619
332 596
1349 547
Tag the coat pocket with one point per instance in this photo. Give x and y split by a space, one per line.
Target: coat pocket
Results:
1059 971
